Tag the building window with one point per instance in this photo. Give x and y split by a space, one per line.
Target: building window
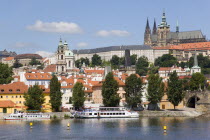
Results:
20 96
12 97
62 57
2 90
1 96
18 90
6 96
16 96
20 102
10 90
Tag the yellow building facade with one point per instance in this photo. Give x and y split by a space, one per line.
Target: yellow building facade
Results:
14 93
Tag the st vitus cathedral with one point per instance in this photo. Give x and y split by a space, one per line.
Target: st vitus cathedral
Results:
162 36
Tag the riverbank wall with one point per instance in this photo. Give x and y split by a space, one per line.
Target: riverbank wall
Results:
147 113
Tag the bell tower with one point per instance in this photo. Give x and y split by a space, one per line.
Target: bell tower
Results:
61 63
163 31
147 34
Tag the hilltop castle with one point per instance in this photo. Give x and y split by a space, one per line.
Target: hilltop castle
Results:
162 36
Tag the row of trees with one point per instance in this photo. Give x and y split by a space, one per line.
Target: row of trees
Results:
34 98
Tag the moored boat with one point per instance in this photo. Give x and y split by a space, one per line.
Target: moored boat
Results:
27 116
106 112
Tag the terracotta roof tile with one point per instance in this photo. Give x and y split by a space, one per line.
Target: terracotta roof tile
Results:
16 87
50 68
8 58
6 103
38 76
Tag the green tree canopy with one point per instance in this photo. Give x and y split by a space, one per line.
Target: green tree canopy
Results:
122 60
155 89
78 98
133 59
115 61
17 64
5 74
166 60
142 66
96 60
109 91
133 88
55 94
34 98
197 81
175 89
34 62
78 63
203 62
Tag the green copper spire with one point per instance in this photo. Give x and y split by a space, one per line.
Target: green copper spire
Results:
177 26
164 23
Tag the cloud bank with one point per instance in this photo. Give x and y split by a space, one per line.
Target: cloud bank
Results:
105 33
56 27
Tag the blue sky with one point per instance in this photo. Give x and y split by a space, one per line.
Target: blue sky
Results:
29 26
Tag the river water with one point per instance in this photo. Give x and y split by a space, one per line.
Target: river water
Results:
145 128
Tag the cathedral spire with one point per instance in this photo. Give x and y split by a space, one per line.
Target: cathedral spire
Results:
154 28
177 26
147 34
147 25
164 23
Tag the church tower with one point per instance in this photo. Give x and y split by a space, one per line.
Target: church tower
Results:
163 31
61 63
154 31
147 34
195 67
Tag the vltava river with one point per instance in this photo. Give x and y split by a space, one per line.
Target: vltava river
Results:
142 129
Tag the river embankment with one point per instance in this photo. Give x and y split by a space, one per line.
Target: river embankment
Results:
169 113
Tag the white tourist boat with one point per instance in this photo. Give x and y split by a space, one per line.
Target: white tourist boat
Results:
106 112
27 116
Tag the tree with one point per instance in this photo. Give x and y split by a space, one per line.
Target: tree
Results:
55 93
41 67
166 60
34 98
142 66
122 60
78 63
5 74
109 91
34 62
17 64
133 59
175 90
155 90
78 98
133 88
197 81
96 60
115 61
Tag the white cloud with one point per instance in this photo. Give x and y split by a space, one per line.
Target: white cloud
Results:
105 33
82 44
44 53
56 27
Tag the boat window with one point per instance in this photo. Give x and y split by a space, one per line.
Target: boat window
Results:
113 113
95 113
117 113
107 113
110 113
102 113
120 113
90 113
123 113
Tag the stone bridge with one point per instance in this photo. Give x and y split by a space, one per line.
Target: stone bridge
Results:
191 97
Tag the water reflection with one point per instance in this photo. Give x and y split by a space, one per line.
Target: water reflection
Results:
111 128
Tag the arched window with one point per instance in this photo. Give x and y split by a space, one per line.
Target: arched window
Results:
62 57
69 63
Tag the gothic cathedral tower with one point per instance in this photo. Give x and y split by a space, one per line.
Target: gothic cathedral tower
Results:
147 34
163 31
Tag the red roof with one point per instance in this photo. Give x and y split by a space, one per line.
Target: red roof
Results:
6 103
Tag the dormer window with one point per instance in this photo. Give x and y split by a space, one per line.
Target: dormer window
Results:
10 90
2 90
18 90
